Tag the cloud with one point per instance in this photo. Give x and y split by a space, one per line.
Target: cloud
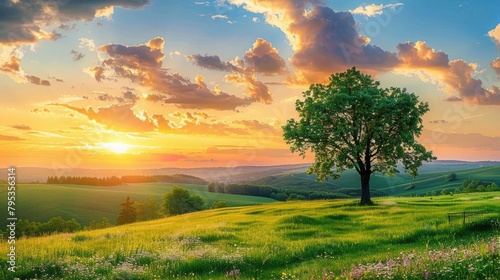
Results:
323 41
103 96
96 72
130 96
21 127
56 79
39 111
117 117
326 42
143 64
22 22
87 43
10 138
37 81
212 62
419 55
77 55
219 16
438 121
495 35
193 124
257 126
373 10
263 58
12 68
256 89
495 64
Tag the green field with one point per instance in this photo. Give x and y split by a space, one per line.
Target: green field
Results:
40 202
282 240
431 178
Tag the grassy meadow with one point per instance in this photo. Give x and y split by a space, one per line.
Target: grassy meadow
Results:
285 240
40 202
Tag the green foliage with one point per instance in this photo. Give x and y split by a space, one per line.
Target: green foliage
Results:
98 224
179 201
128 213
451 177
147 209
469 186
219 204
351 123
55 225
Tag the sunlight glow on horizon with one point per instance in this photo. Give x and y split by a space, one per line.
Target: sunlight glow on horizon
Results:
116 147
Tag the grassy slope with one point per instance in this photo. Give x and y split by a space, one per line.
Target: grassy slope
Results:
299 238
40 202
430 178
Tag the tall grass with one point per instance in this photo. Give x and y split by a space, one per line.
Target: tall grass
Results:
293 240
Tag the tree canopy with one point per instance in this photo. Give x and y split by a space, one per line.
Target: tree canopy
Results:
352 123
179 201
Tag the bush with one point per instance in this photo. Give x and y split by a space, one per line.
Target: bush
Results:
451 177
179 201
219 204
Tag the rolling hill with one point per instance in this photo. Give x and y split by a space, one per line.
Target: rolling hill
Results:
431 178
285 240
40 202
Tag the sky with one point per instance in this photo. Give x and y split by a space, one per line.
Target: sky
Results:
152 84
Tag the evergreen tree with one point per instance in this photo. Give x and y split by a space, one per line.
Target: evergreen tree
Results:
128 213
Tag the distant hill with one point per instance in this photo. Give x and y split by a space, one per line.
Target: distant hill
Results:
210 174
431 178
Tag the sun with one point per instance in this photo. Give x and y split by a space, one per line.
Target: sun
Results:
117 148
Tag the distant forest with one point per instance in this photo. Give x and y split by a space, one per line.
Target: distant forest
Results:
115 181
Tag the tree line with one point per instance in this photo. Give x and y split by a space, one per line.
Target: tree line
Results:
115 181
278 193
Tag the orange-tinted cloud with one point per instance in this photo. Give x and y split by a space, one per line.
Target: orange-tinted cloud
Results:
117 117
459 77
37 81
10 138
419 55
22 22
255 88
326 42
143 64
495 64
263 58
96 72
21 127
255 125
373 10
495 35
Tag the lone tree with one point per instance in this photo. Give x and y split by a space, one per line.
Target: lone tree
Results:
352 123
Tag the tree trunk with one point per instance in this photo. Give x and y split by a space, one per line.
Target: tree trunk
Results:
365 188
